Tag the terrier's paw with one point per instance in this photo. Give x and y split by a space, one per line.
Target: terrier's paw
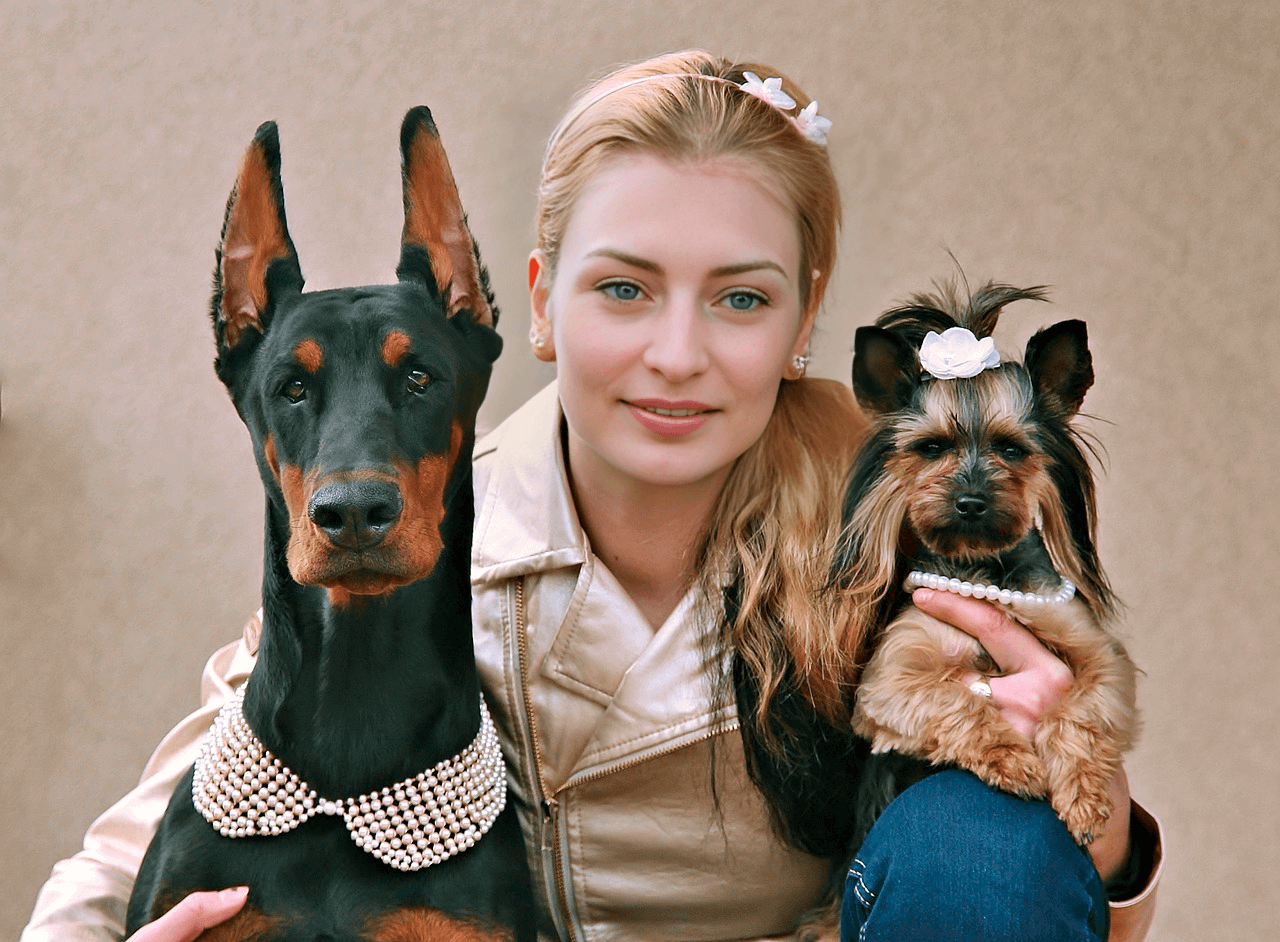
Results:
1011 767
887 740
1084 815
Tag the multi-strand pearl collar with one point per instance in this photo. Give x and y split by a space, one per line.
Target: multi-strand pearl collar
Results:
928 580
243 790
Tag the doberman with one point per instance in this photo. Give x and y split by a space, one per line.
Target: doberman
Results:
355 784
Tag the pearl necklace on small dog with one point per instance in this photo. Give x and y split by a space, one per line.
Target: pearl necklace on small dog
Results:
243 790
928 580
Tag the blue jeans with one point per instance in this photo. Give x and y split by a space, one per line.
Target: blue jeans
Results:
951 858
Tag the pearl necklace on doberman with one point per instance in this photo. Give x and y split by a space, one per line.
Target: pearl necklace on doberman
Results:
928 580
243 790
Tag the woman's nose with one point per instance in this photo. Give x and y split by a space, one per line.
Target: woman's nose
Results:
677 346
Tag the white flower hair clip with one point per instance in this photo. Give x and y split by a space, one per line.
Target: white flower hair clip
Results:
812 125
957 354
808 122
769 90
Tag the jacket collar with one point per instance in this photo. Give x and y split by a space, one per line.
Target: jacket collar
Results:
650 690
524 523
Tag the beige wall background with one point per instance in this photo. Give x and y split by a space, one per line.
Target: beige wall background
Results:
1127 153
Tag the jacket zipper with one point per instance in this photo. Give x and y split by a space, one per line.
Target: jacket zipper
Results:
549 803
729 727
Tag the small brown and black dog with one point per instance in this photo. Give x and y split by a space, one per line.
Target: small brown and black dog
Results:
974 480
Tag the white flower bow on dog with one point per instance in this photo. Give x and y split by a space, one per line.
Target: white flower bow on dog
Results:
957 354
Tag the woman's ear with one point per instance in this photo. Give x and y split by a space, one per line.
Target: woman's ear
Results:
801 347
540 338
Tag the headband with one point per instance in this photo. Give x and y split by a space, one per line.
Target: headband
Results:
807 121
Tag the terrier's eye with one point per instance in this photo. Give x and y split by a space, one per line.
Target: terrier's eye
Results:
932 449
1011 451
294 390
417 381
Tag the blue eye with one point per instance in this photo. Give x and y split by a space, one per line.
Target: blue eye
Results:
622 291
743 300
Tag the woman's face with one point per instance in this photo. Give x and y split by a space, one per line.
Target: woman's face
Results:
674 314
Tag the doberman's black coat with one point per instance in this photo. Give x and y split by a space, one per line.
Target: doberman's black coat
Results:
361 404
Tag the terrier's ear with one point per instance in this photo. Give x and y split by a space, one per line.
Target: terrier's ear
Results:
436 245
256 260
885 370
1060 365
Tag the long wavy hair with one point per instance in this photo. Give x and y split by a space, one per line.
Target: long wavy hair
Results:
787 637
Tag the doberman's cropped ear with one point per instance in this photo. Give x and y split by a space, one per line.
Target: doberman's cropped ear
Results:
436 246
1060 365
256 260
885 370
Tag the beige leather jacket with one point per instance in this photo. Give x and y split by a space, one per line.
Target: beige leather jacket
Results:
607 727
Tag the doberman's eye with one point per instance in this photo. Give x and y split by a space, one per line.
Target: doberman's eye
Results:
294 390
417 381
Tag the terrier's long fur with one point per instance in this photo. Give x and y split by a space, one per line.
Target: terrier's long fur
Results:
982 479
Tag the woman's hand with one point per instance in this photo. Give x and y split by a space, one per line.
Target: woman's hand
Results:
1031 682
1031 679
196 913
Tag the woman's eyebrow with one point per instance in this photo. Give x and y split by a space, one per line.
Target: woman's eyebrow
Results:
723 271
633 260
742 267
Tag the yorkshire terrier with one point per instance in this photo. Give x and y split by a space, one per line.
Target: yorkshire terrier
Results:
974 480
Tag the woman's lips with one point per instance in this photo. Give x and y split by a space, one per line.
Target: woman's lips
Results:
665 417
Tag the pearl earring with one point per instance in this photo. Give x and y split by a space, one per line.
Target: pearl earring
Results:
800 363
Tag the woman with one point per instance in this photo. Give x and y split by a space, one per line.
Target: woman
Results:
686 231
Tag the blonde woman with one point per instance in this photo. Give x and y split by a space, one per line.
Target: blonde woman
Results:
681 769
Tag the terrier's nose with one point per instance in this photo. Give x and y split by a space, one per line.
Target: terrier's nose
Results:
970 507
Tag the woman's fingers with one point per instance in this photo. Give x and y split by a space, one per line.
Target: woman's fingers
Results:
1010 644
1028 681
196 913
1022 698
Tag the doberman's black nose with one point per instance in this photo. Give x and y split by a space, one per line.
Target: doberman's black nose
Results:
356 515
970 507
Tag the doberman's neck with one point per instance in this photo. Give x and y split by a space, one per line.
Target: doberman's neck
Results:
359 696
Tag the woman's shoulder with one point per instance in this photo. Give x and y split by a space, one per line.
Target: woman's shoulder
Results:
523 506
538 414
532 424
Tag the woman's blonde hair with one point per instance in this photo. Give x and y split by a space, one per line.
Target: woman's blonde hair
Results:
775 522
685 107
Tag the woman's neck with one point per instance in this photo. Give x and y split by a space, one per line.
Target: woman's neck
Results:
647 535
